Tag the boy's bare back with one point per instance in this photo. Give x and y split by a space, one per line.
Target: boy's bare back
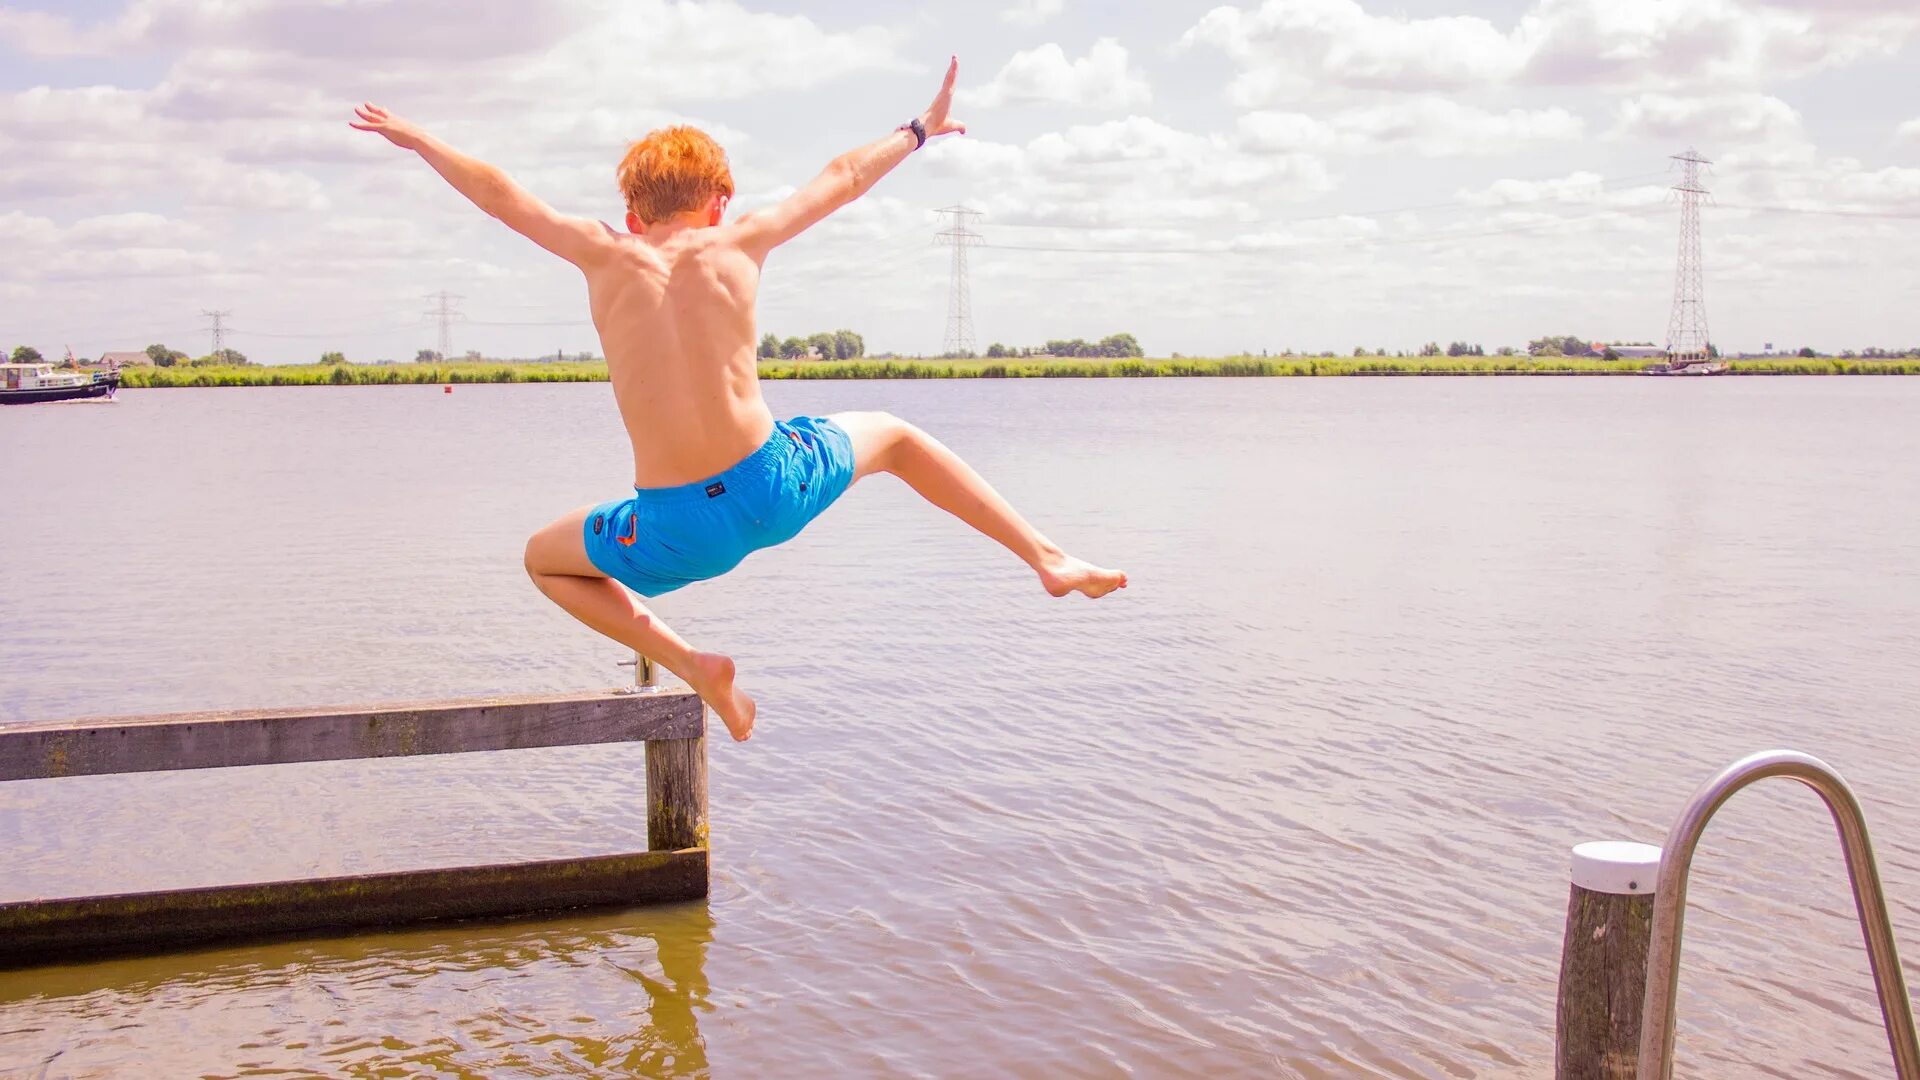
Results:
675 316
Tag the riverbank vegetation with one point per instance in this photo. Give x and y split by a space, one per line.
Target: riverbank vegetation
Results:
343 374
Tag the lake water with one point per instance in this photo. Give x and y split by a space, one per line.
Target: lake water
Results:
1297 803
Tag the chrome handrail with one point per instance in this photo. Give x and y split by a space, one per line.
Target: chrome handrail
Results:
1670 906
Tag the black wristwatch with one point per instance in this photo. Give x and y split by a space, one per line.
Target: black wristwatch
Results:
919 132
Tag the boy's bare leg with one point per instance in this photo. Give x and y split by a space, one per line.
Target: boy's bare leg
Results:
557 561
883 442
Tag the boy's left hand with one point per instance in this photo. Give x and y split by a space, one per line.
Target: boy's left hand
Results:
397 131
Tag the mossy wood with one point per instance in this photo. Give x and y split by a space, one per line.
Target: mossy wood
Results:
676 794
672 723
123 744
57 931
1603 981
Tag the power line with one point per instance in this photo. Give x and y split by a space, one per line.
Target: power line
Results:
1884 215
959 299
1687 339
1226 248
243 332
1598 185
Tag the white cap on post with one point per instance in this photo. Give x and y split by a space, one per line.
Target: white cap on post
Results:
1619 867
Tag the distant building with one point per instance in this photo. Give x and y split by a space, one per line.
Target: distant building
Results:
124 359
1631 352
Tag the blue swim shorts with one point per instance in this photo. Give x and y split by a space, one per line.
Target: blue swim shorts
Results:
661 539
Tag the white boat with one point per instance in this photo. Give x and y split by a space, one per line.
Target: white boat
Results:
25 384
1698 367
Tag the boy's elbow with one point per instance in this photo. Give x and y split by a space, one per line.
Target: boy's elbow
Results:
850 180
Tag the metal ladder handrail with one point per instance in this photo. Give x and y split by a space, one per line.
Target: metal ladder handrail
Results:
1670 905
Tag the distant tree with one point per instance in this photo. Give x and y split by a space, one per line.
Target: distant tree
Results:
1610 354
1359 350
333 358
1431 348
848 345
1806 351
1505 350
1713 350
427 356
472 354
231 358
1120 345
27 354
769 347
996 351
1561 345
161 355
1459 348
821 345
793 349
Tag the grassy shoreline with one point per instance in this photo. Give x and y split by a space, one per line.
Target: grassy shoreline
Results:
1037 368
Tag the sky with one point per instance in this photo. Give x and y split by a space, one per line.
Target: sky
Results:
1212 178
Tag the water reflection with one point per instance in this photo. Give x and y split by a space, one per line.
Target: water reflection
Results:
458 1000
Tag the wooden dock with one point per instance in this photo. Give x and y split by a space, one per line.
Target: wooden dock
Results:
674 868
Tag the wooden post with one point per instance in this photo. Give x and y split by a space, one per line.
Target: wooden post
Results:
1603 962
676 794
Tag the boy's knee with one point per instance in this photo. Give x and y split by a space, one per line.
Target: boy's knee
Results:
895 432
530 558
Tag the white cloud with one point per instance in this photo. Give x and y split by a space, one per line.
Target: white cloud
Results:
1908 132
259 189
1032 12
1429 125
1101 79
102 247
1580 188
1722 120
1127 174
1286 47
487 55
1291 49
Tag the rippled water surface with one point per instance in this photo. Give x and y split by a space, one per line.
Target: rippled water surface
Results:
1297 803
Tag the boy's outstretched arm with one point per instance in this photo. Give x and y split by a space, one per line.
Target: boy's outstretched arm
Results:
848 177
576 240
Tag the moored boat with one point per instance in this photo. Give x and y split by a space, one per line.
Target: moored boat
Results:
25 384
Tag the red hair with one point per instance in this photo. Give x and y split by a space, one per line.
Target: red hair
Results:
673 170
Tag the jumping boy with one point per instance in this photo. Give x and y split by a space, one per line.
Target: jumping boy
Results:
715 477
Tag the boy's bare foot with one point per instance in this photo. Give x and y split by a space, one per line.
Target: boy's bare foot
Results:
712 679
1068 574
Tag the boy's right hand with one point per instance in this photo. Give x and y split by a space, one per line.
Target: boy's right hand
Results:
397 131
935 119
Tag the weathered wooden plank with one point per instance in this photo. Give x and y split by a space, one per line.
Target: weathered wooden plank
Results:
123 744
676 794
54 931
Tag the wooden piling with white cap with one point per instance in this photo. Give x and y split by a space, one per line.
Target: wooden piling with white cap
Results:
1603 962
